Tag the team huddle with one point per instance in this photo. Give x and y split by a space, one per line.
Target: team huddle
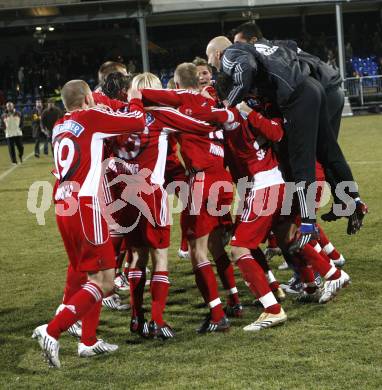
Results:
255 118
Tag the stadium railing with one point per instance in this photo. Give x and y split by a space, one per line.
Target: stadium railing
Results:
364 91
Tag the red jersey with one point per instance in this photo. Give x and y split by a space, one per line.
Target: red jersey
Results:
199 153
78 145
248 152
100 98
149 149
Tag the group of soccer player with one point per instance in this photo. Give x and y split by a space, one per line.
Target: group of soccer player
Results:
256 114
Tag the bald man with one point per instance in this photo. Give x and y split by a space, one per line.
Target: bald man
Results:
215 50
78 155
275 72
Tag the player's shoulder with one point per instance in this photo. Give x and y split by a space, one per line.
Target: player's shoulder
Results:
98 95
72 123
187 92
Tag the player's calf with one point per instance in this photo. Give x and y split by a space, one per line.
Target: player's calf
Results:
255 279
226 274
205 279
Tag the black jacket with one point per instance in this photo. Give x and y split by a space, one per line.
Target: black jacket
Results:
274 70
329 77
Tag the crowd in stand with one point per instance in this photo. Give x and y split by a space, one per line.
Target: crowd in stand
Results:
363 49
37 75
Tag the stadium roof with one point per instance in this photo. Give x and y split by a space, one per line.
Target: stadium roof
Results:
199 11
178 5
17 13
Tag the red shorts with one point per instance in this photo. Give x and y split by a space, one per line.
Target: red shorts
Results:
86 237
205 203
261 208
145 222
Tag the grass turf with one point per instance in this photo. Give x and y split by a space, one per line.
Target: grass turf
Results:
334 346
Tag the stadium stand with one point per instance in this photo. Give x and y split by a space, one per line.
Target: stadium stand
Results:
39 70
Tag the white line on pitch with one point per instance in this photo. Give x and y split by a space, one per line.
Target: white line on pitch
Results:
11 169
365 162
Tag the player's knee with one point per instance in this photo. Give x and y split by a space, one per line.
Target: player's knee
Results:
107 287
160 263
237 252
104 280
197 255
234 253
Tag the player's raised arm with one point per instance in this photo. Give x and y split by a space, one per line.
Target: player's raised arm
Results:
111 122
77 96
211 114
177 121
271 129
164 97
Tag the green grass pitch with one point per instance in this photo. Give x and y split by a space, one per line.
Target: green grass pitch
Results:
333 346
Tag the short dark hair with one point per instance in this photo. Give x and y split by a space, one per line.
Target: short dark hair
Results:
114 85
249 30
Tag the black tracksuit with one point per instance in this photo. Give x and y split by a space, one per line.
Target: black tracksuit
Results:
277 73
331 81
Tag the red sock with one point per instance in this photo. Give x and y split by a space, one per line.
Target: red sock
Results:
184 244
227 277
259 256
137 281
327 246
90 323
317 247
274 286
306 274
159 292
75 309
319 264
208 287
325 256
307 277
255 279
74 282
184 241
